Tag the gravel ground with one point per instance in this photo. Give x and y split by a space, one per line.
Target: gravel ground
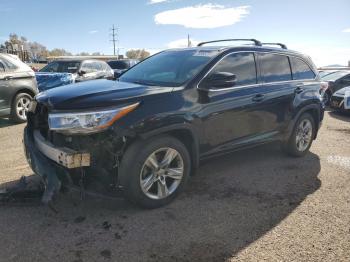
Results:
252 205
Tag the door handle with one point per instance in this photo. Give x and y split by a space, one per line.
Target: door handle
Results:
299 89
258 98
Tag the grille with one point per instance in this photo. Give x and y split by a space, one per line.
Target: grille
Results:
41 119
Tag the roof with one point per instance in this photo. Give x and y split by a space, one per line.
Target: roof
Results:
241 48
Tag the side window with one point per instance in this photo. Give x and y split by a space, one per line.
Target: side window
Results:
87 67
96 66
8 64
300 69
275 68
2 67
346 79
240 64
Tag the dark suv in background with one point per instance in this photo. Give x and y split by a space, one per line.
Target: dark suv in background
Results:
146 133
120 66
17 88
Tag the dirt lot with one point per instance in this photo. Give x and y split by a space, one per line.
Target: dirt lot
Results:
247 206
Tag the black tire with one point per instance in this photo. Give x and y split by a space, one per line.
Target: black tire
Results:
15 115
133 163
290 147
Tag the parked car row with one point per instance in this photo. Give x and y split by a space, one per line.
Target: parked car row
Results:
63 72
338 82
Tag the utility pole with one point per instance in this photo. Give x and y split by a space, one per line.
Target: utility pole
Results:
115 39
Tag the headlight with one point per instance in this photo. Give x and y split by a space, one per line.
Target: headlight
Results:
87 122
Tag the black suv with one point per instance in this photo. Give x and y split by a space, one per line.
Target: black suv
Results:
120 66
146 133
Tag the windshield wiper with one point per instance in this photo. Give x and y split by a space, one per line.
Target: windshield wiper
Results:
143 83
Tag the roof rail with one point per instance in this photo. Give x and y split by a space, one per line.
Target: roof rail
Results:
256 42
283 46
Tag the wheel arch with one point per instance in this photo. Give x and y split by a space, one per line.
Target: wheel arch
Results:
185 134
314 110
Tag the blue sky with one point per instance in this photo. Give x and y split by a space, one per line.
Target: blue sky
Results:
318 28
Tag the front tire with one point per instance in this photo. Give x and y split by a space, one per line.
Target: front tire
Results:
154 171
301 139
19 107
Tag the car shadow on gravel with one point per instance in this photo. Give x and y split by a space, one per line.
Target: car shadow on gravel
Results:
232 201
6 122
343 116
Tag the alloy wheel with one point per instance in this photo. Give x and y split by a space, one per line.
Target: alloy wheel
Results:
162 173
22 107
304 135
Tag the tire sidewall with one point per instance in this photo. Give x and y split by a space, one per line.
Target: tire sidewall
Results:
133 161
14 115
292 146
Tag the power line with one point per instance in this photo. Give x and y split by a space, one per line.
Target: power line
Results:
115 39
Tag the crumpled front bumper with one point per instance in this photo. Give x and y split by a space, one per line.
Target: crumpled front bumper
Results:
50 162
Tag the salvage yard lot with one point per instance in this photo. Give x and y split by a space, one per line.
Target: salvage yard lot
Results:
250 205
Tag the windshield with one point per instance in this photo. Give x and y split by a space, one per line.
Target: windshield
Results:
334 76
62 67
169 68
118 64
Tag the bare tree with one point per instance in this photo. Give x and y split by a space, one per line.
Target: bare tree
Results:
137 54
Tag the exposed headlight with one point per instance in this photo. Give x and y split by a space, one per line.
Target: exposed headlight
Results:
87 122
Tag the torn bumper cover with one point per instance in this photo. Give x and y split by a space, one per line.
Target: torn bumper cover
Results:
51 162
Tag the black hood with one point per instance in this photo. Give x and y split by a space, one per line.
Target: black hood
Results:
96 93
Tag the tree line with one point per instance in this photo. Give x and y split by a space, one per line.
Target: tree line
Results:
37 51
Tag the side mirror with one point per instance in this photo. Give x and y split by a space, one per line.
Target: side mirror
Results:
81 72
220 80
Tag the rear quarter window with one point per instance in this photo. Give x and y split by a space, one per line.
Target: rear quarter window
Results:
275 68
300 69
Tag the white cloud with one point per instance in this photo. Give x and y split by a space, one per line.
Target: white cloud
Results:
202 16
93 32
180 43
347 30
151 2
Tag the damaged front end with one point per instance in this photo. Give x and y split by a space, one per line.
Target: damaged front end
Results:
84 162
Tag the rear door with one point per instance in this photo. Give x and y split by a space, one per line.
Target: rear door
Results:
278 89
235 116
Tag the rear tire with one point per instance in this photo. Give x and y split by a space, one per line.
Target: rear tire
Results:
20 106
301 139
154 171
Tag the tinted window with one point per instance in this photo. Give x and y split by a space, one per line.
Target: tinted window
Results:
62 67
2 67
275 68
240 64
169 68
119 64
335 76
300 69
